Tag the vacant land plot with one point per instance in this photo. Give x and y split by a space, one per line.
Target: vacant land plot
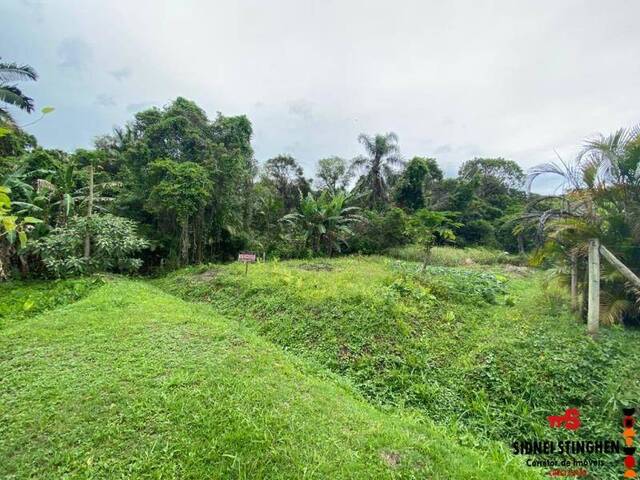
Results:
131 382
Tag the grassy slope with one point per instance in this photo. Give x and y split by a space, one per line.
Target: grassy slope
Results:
431 342
134 383
20 300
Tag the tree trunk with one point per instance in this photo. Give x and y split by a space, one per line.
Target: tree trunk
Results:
200 237
87 238
574 282
184 241
427 254
520 244
3 273
24 266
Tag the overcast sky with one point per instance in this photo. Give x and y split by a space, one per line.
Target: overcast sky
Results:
454 79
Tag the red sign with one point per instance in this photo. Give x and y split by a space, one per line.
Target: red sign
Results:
247 257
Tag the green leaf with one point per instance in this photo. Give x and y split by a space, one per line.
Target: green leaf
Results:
9 223
23 238
5 201
32 220
47 110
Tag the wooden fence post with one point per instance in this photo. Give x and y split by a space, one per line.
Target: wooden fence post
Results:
574 282
622 268
593 314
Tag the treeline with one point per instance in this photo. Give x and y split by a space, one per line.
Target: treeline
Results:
173 187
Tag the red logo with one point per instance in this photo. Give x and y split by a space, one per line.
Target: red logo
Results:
570 420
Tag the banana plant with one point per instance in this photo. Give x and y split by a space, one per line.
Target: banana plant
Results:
12 228
325 221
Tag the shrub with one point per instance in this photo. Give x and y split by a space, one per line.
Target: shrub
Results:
113 243
381 231
477 232
453 256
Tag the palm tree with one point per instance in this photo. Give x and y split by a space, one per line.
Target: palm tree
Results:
382 154
10 94
600 199
325 221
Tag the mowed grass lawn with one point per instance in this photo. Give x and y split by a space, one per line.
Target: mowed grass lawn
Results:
131 382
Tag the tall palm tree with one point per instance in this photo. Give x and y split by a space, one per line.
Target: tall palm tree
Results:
382 154
10 94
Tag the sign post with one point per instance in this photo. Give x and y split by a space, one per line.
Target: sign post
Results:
246 258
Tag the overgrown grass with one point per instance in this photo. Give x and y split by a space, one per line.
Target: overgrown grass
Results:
468 349
24 299
131 382
452 257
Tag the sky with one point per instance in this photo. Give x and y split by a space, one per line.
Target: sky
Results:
519 79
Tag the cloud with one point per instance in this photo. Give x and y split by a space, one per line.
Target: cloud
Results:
36 8
136 107
121 73
510 79
74 53
104 100
301 108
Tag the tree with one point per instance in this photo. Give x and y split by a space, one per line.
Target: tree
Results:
60 187
90 160
181 189
15 143
325 221
418 177
486 191
12 227
181 132
382 154
268 209
428 228
11 95
333 174
600 199
380 231
287 178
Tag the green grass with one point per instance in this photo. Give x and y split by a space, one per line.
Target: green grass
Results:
24 299
486 354
453 257
130 382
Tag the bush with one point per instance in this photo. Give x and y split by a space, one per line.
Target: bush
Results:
452 256
380 232
477 232
113 243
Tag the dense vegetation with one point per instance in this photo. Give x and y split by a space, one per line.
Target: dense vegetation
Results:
173 187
